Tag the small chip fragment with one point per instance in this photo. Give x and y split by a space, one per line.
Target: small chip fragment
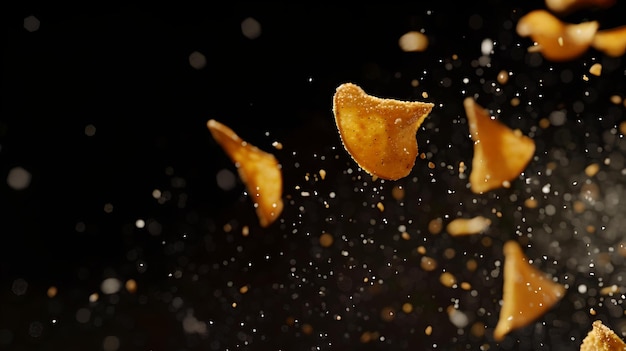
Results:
596 69
500 153
602 338
413 41
468 226
379 134
259 171
528 293
555 39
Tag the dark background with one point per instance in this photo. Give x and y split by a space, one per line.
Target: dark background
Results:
125 70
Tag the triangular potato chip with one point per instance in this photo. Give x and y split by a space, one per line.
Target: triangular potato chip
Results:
602 338
555 39
259 171
528 293
500 153
379 134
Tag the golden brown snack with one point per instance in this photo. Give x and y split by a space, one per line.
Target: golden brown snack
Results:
413 41
468 226
567 6
259 171
500 153
379 134
528 292
611 41
555 39
602 338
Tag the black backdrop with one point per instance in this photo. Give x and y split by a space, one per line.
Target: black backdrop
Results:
125 71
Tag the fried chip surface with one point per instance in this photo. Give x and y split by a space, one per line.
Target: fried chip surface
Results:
611 41
564 7
556 40
500 153
379 134
528 293
258 170
602 338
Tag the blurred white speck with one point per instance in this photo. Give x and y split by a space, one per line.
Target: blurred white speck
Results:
225 179
458 318
475 22
80 227
108 207
582 288
31 23
177 302
83 315
19 178
140 223
156 193
111 343
251 28
192 325
486 46
90 130
557 117
94 297
19 286
154 228
197 60
142 266
110 285
35 329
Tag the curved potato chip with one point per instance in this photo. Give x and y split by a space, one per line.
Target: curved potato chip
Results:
602 338
379 134
563 7
611 41
528 293
555 39
500 153
259 171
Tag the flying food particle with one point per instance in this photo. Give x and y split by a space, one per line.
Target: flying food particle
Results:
602 338
610 41
556 40
413 41
500 153
259 170
528 293
563 7
468 226
379 134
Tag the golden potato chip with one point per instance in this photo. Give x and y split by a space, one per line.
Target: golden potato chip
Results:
468 226
379 134
555 39
568 6
500 153
611 41
528 293
602 338
259 171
